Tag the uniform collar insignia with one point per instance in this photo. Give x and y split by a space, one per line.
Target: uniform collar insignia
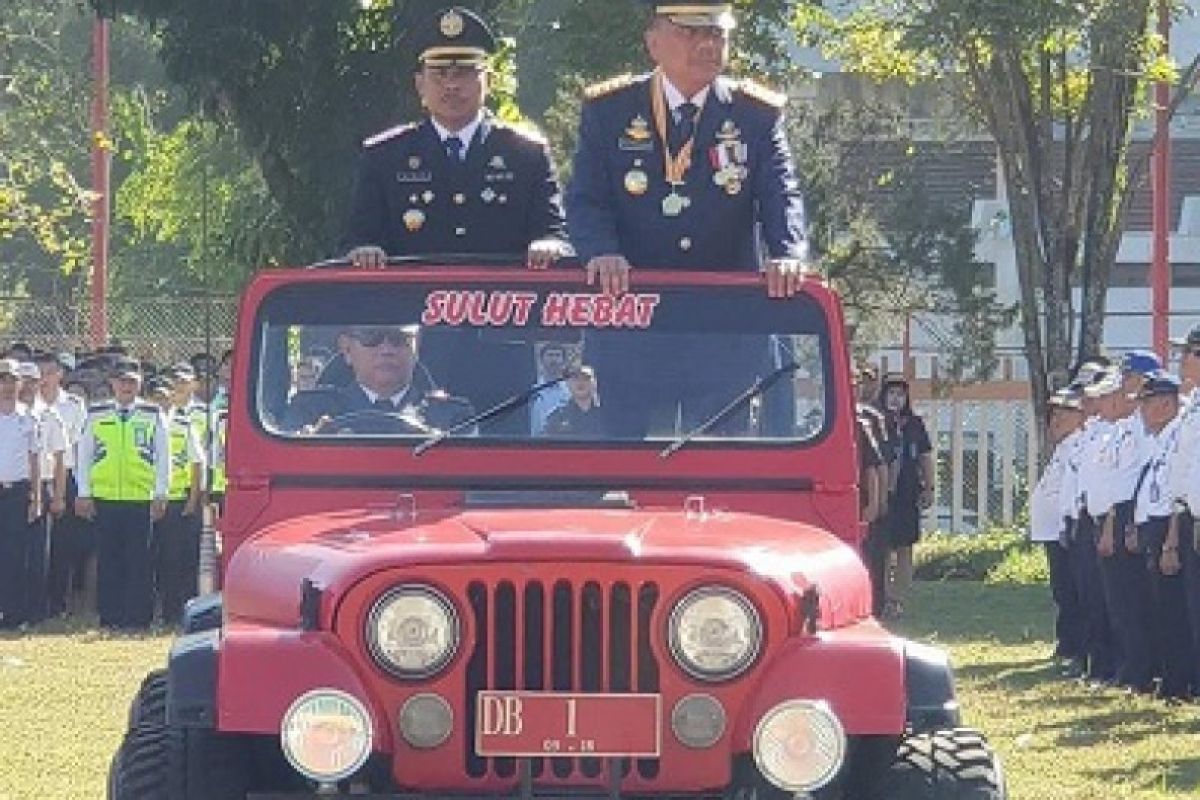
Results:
497 162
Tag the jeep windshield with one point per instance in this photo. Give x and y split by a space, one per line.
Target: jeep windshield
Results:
542 362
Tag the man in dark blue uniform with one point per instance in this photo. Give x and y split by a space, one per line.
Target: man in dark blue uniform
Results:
388 394
460 181
683 168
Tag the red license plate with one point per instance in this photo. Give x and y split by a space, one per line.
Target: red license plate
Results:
552 724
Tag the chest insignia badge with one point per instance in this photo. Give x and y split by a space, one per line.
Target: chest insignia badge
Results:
414 219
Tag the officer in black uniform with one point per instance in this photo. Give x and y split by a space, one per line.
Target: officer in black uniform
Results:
683 168
459 181
385 395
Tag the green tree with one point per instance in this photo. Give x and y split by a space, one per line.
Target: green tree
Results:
1058 86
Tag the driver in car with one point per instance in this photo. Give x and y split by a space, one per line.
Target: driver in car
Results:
383 397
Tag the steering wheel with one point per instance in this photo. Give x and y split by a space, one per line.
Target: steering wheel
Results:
372 420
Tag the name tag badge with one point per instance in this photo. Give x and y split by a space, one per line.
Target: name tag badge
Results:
635 145
414 177
499 177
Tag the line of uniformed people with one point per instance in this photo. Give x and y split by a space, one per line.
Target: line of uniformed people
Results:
1113 511
117 489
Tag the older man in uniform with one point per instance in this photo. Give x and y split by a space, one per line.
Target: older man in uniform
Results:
71 545
123 471
460 181
1081 453
683 168
1167 620
1110 480
176 549
1185 484
20 495
1047 527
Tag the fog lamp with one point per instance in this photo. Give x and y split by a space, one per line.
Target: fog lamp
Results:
698 721
426 721
326 735
799 745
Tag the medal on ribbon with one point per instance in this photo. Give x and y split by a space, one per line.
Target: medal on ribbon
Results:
675 166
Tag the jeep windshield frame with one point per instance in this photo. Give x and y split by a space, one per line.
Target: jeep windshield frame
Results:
666 359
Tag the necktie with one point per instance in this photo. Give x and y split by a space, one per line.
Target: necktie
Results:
685 126
454 148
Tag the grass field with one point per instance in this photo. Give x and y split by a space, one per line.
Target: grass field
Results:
64 694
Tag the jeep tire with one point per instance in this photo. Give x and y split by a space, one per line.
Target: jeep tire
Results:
952 764
149 705
160 762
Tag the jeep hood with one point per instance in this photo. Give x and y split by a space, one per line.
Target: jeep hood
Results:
335 550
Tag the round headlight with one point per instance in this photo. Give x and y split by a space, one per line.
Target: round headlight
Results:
715 633
326 735
799 746
413 631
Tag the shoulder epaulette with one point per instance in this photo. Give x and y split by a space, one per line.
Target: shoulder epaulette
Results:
597 90
526 130
390 133
756 91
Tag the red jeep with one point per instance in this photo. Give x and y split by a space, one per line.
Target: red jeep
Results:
525 540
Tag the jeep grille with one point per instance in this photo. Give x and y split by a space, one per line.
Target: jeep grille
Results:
534 635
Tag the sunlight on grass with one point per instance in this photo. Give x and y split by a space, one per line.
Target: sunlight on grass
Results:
1058 739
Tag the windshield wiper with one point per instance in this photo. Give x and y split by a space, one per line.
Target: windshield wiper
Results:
503 407
754 390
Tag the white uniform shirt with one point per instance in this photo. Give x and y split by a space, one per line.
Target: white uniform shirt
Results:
1154 498
1069 493
1110 476
18 438
1183 471
162 454
1092 438
1045 506
73 412
52 436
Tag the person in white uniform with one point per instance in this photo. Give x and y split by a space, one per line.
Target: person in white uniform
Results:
1048 527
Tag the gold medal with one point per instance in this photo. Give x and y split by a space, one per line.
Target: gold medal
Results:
674 204
636 182
414 219
733 187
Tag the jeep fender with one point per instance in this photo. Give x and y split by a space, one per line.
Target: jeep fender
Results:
261 671
929 684
858 671
203 613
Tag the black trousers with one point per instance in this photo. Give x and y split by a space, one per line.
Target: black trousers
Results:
1068 618
875 553
1169 618
37 560
124 591
177 559
1085 569
14 525
1127 597
72 544
1190 556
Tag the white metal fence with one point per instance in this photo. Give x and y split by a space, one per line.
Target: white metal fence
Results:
986 463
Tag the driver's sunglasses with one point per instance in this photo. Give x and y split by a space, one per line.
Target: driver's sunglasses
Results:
373 337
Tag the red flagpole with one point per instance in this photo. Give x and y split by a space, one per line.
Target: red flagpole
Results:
101 163
1160 270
